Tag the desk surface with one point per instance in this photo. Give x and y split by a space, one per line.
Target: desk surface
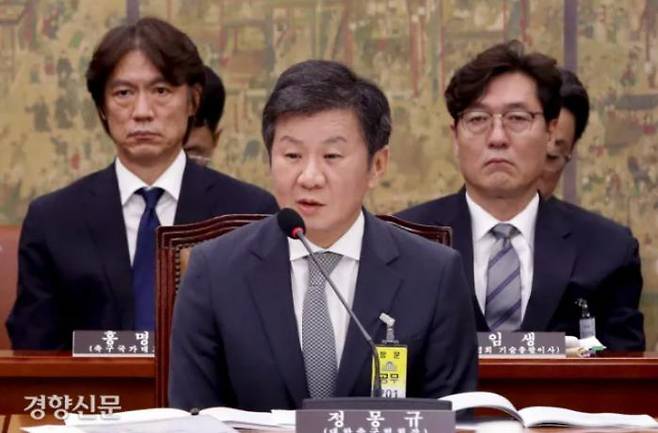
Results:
16 422
62 364
24 374
605 366
625 383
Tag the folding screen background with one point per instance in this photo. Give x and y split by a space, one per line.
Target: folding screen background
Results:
50 134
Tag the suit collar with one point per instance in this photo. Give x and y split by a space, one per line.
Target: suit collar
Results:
554 257
194 200
453 211
269 282
376 287
170 180
553 261
104 216
525 221
458 217
348 245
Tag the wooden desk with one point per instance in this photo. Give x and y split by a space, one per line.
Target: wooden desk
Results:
16 422
612 383
51 373
627 384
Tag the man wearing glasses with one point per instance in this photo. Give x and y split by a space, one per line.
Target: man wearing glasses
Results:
533 264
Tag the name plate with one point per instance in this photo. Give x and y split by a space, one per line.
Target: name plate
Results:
505 344
380 421
114 343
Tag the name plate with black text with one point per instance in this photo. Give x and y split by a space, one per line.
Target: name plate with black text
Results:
114 343
363 420
505 344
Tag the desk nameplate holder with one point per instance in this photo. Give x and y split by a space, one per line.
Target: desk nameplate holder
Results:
356 414
108 343
506 344
355 420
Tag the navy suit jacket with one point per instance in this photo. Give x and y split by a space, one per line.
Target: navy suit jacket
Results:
578 254
235 339
74 265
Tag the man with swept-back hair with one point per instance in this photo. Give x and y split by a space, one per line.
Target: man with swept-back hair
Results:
87 251
534 264
326 131
570 127
204 136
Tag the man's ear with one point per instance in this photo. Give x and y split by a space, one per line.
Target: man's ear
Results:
550 128
195 99
216 135
455 143
378 166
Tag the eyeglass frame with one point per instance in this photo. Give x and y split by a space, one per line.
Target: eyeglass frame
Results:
199 159
533 115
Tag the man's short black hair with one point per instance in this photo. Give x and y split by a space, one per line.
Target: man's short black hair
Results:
212 102
576 100
314 86
171 51
471 80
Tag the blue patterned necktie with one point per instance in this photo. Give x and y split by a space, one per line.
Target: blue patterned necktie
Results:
318 341
144 261
503 304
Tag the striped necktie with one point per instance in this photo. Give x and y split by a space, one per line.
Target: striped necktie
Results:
503 304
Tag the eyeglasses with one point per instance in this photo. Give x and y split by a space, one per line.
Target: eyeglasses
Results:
480 122
199 159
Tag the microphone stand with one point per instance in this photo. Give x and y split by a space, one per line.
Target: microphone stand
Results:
377 383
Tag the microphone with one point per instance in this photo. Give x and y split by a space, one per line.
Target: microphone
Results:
292 224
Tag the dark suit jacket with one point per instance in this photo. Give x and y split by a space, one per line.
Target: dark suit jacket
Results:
74 265
235 339
578 254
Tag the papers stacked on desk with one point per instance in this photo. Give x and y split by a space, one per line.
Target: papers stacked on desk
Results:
584 347
212 420
191 424
544 415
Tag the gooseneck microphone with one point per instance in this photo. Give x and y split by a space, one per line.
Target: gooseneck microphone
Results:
292 224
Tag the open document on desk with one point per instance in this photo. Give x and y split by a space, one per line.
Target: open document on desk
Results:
547 416
165 420
188 424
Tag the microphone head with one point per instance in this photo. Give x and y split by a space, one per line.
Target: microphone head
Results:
290 222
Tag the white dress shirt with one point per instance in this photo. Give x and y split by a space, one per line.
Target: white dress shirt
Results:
344 276
483 241
133 204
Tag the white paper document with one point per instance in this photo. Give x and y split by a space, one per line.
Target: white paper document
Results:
547 416
188 424
235 418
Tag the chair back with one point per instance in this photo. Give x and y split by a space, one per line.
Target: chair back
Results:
174 244
9 236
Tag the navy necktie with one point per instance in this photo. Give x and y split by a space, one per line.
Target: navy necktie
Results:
144 261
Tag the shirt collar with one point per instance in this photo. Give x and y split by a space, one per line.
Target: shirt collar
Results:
170 181
348 245
482 221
